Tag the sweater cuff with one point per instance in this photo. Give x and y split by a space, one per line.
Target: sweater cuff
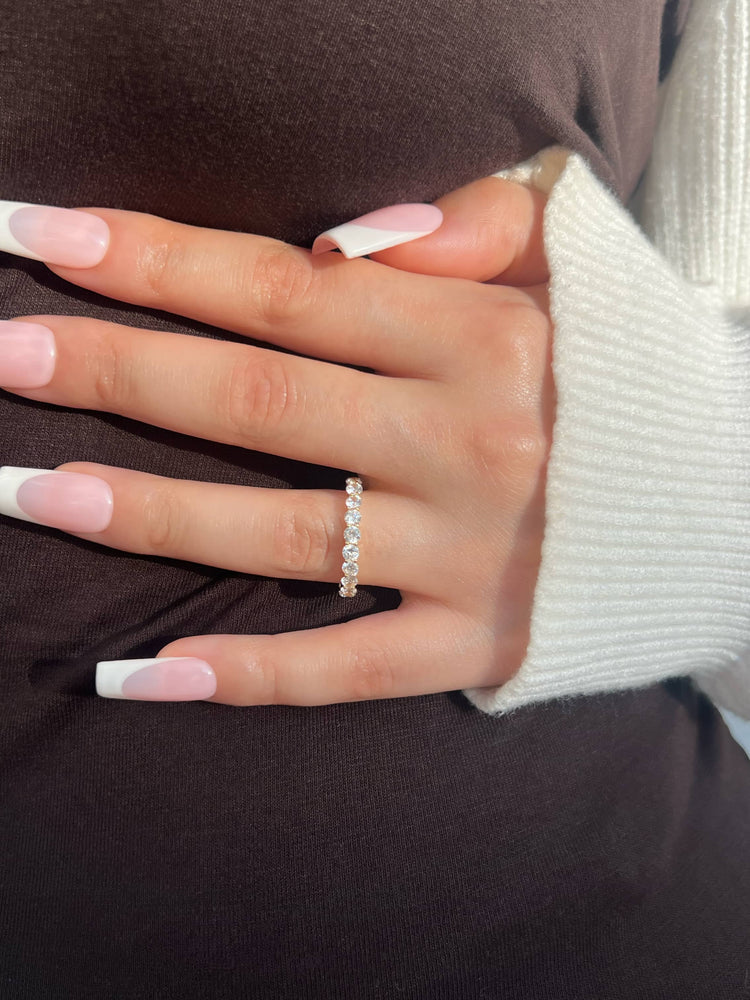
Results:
645 569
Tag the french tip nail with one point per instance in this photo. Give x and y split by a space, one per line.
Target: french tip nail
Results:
380 230
323 244
12 479
62 236
162 678
70 501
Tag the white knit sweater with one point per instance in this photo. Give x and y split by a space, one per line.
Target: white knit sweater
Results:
646 560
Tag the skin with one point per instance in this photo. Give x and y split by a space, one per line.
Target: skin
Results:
450 433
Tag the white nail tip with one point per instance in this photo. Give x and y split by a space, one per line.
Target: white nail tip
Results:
354 240
112 674
8 242
12 479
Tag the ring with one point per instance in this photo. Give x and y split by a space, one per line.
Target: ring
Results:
350 552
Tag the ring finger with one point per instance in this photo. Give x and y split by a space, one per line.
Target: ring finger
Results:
286 534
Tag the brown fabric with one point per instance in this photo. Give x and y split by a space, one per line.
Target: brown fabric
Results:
417 849
410 848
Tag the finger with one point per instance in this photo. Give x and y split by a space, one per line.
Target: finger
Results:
492 228
236 394
422 647
285 534
357 312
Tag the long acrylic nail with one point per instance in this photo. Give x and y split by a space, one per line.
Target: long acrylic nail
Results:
387 227
70 501
165 678
27 355
61 236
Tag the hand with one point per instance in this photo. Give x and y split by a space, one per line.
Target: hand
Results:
450 432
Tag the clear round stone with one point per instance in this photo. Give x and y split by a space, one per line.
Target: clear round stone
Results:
353 486
353 517
352 535
347 591
353 501
350 569
350 553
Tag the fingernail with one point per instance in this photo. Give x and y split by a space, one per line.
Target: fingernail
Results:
62 236
165 678
388 227
70 501
27 355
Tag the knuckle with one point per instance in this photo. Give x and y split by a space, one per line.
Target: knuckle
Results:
281 282
261 398
531 329
518 357
163 521
522 343
509 331
114 382
526 451
259 682
303 543
506 451
372 673
158 264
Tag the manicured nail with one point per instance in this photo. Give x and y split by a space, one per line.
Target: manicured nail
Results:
70 501
62 236
388 227
27 355
165 678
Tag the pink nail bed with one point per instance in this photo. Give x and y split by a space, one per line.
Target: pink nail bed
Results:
70 501
165 678
62 236
379 230
27 355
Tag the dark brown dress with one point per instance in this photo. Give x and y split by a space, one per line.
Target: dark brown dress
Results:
593 848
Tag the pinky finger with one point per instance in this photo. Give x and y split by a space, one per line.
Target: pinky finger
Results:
422 647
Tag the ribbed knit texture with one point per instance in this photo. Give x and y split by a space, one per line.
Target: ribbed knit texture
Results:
646 561
696 202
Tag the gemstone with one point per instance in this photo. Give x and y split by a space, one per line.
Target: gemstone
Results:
353 486
347 591
350 553
350 569
353 517
353 501
352 535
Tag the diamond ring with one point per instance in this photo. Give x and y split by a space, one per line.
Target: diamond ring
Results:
350 552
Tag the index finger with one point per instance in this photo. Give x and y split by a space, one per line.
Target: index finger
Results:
353 311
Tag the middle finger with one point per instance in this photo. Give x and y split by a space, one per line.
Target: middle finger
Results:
238 394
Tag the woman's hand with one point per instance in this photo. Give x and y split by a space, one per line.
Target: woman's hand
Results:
450 433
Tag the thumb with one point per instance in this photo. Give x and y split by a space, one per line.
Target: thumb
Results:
491 230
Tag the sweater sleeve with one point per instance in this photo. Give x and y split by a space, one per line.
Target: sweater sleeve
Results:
645 569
